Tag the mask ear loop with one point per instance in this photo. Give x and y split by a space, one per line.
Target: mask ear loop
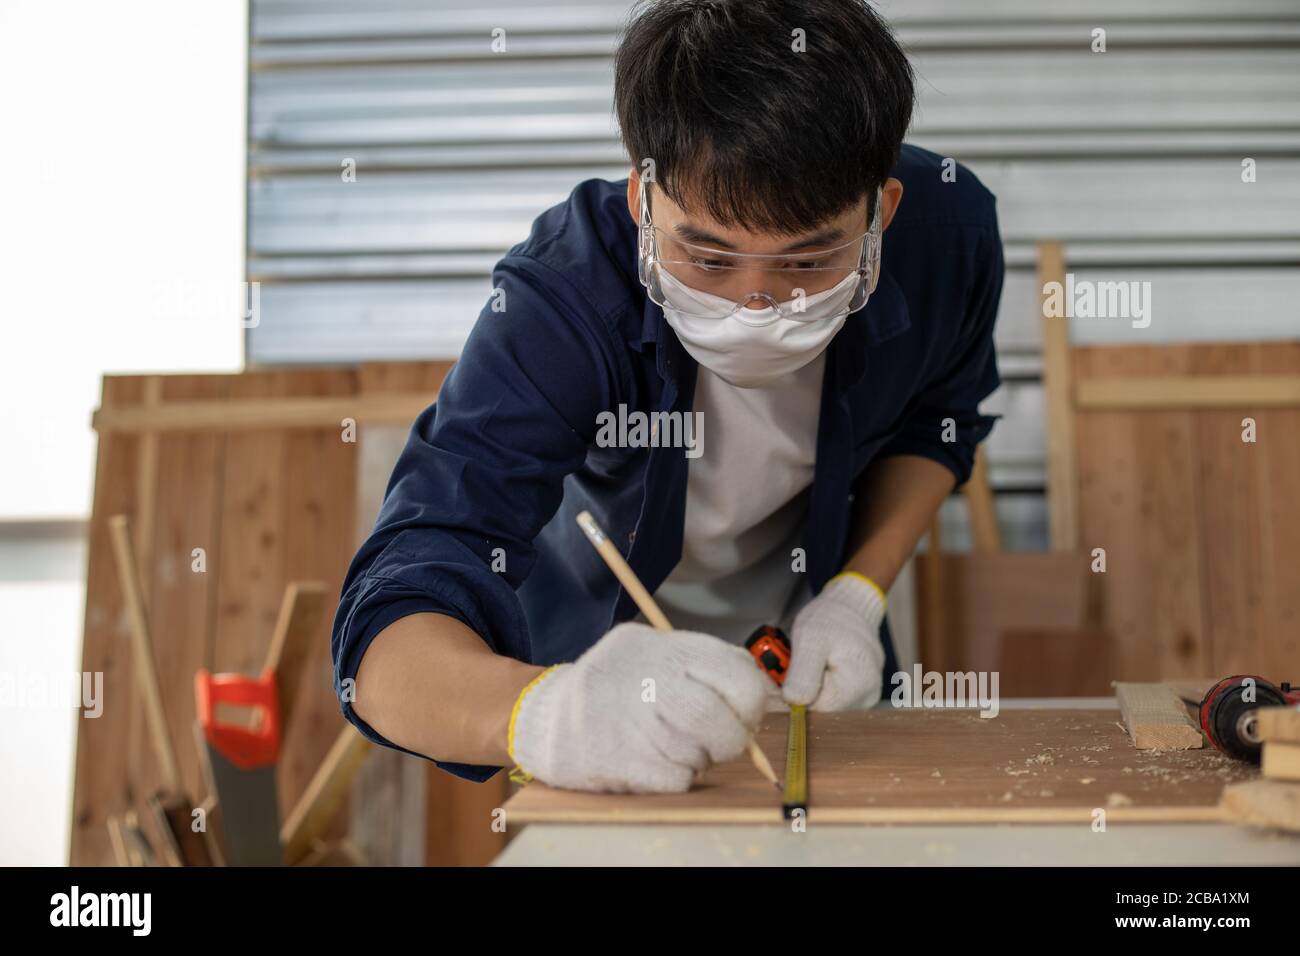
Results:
869 263
645 243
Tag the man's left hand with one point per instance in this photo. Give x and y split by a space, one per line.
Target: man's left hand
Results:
835 651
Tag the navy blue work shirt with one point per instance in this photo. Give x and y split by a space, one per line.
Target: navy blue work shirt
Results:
506 457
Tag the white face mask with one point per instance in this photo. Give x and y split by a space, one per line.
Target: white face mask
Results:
751 348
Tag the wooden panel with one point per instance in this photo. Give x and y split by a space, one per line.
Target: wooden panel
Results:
1249 523
1139 504
461 826
182 601
900 766
317 518
981 597
268 504
1200 529
102 785
1056 662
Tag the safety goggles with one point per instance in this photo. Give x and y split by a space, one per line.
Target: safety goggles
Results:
729 281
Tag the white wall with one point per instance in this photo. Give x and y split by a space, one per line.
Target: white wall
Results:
121 250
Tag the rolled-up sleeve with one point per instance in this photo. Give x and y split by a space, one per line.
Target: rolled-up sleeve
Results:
481 473
945 424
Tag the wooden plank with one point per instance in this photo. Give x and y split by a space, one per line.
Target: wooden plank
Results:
1056 662
142 651
183 592
1279 724
1138 501
983 596
252 413
1201 523
324 794
1156 718
1062 468
249 575
1266 803
933 766
933 649
1273 646
300 616
1229 523
101 786
1190 392
1281 761
979 503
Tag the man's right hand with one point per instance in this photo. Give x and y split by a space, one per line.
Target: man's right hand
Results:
641 712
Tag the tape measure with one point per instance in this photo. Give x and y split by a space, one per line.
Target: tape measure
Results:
771 650
795 799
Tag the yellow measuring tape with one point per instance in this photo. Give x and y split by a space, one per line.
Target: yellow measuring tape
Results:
795 798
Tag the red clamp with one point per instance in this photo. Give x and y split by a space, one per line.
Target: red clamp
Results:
247 748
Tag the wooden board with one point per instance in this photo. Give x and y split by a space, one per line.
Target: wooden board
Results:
934 766
1267 803
1025 615
1281 761
267 505
1280 724
1156 718
1200 530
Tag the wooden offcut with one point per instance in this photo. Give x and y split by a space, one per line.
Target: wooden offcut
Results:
1264 803
933 766
1156 718
1279 725
1281 761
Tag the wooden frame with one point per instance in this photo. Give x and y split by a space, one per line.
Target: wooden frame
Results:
254 469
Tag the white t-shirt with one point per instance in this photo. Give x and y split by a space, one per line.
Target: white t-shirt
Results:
746 505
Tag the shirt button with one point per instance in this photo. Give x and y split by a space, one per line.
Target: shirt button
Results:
631 537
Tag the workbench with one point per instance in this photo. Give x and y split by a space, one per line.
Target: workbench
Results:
915 844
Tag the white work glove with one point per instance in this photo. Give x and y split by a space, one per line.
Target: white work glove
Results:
598 724
835 650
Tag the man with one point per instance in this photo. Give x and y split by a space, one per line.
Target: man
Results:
777 267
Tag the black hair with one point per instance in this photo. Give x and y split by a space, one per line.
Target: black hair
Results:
740 124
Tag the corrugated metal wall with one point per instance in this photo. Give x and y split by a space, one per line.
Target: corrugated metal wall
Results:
1132 157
